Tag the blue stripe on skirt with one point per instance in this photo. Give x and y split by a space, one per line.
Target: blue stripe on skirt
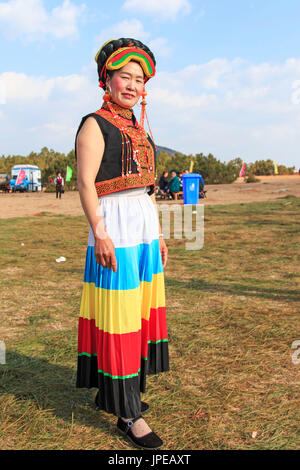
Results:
129 259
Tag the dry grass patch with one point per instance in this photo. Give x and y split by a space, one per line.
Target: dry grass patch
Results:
233 310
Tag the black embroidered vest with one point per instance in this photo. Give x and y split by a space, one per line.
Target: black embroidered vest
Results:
109 178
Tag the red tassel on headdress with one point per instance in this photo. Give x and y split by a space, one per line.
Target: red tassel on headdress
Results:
143 114
143 111
106 96
150 129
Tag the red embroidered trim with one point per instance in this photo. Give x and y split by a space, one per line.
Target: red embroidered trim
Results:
126 113
117 184
130 180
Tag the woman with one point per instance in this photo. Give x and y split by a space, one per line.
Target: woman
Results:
163 183
122 333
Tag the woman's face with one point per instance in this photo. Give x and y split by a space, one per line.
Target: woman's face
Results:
126 85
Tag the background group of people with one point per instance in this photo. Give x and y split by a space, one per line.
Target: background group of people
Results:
172 187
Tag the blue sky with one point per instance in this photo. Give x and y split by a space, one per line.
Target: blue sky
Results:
227 82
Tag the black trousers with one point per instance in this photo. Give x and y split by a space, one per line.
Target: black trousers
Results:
58 191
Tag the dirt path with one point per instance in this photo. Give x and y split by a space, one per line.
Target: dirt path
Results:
269 188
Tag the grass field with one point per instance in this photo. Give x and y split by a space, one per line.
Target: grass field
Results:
233 314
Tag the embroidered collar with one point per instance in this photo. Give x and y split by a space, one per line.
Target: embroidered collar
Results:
126 113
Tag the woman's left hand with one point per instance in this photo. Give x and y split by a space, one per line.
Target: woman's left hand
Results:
163 251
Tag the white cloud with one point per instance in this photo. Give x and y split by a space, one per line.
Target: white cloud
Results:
31 21
54 128
133 28
24 88
236 84
2 92
229 108
127 28
182 100
45 111
161 9
160 47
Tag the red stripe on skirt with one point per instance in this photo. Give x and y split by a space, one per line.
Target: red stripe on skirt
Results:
154 329
117 354
120 354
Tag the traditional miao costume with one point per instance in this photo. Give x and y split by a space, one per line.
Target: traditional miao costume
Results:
122 333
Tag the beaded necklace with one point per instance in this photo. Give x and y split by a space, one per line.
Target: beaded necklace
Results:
133 136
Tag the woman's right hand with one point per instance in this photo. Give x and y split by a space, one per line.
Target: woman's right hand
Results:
105 253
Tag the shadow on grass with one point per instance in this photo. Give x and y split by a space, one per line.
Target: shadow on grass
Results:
51 387
235 289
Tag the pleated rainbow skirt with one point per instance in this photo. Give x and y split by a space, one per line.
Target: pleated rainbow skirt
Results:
122 331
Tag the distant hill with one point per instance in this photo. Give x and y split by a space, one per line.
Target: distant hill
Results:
166 149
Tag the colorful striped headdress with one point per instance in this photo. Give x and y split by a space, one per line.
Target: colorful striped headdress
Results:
116 53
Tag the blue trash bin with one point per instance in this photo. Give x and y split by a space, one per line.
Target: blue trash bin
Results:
191 188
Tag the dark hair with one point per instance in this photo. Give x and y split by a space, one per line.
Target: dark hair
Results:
111 47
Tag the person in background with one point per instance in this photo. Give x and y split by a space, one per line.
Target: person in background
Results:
180 178
201 183
174 185
163 183
59 182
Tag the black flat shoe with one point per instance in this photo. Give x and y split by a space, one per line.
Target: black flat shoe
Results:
144 406
150 441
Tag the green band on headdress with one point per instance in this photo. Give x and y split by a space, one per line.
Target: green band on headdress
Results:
123 55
